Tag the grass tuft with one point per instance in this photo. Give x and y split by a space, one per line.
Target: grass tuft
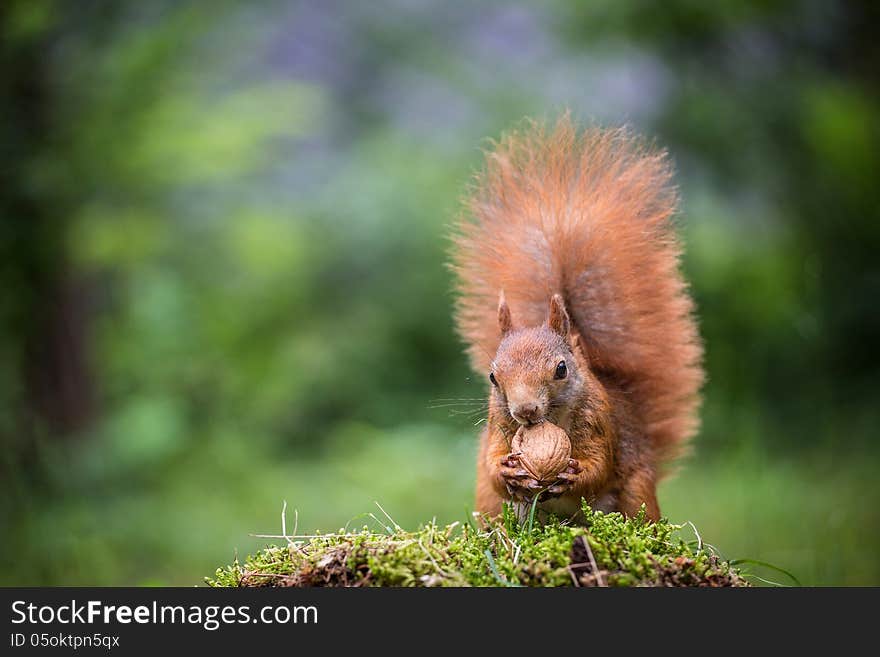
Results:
608 550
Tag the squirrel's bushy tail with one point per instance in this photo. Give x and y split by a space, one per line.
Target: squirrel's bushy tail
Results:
589 216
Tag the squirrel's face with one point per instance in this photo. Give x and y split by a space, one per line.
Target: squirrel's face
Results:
535 373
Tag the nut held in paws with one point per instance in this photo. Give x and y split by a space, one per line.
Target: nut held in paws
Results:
545 450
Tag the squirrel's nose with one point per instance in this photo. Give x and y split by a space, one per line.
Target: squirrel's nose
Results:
525 413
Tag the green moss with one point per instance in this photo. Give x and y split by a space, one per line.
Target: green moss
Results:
608 550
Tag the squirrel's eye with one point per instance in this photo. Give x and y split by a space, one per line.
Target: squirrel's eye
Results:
493 379
561 370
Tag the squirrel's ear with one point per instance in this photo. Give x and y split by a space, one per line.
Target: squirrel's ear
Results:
505 322
558 319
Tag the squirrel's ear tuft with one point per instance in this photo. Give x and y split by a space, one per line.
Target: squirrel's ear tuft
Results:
558 319
505 322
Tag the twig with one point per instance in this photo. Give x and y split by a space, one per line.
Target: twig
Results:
433 560
599 580
392 520
699 538
387 528
284 524
305 536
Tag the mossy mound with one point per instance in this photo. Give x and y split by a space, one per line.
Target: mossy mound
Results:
608 550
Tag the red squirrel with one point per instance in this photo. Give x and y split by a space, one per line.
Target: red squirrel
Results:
572 305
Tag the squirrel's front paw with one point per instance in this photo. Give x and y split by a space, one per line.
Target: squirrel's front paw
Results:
565 479
520 484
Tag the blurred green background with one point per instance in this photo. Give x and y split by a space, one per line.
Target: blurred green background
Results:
224 228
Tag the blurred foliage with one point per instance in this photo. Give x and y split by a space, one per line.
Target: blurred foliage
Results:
222 252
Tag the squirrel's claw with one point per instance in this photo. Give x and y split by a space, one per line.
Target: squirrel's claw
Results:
513 473
565 475
516 493
565 479
511 460
520 484
511 468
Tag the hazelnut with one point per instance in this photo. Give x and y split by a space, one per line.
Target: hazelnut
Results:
545 450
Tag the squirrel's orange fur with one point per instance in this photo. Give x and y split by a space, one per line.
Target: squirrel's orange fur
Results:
589 217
